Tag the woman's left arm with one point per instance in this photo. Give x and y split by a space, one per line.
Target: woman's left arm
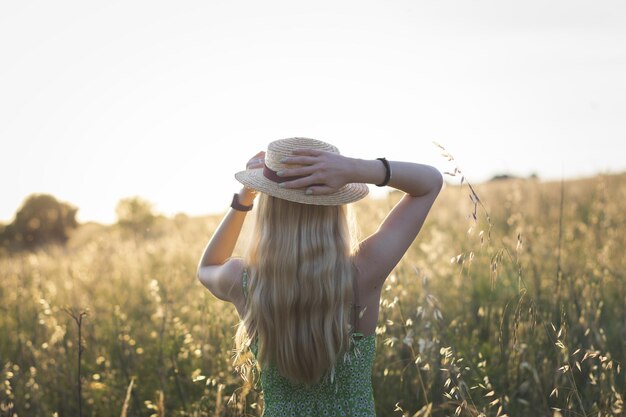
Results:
215 268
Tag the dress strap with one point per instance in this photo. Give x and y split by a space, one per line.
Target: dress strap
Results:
244 279
356 307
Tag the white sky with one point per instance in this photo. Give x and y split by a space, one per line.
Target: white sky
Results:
167 100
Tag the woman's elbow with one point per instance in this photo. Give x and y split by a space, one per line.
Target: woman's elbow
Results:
436 181
199 271
202 274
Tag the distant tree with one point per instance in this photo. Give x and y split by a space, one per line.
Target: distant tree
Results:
40 219
4 238
135 214
503 177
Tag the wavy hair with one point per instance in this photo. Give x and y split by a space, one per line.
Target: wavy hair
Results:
300 288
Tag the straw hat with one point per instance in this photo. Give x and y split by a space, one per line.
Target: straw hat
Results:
266 181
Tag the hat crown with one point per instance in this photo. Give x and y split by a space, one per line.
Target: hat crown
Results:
281 148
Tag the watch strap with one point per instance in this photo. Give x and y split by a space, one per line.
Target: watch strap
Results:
236 205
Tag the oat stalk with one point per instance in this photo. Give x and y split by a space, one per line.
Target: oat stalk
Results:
78 318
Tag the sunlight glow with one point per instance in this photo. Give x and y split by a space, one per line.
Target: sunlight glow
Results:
104 101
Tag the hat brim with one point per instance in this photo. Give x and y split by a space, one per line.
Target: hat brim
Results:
349 193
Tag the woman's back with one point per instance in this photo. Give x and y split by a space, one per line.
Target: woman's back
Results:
350 393
345 392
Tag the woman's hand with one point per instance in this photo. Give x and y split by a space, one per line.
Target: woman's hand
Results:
324 172
257 161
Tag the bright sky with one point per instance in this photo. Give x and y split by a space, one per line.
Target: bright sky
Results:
167 100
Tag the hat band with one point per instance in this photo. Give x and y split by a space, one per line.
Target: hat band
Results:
273 176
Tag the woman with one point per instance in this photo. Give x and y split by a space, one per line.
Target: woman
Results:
308 300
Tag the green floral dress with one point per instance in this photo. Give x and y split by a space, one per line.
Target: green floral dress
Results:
348 394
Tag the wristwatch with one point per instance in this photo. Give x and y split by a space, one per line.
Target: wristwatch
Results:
236 205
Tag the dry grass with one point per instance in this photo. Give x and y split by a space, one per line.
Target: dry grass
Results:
518 314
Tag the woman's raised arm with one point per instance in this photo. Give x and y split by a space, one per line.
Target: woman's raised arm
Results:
379 253
214 271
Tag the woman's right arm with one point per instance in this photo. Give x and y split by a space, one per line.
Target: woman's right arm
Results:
379 253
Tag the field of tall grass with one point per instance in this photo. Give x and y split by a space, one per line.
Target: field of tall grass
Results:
511 301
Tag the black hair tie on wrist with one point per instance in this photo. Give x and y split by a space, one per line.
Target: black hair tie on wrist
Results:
387 173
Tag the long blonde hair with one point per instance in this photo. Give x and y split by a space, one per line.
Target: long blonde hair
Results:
300 288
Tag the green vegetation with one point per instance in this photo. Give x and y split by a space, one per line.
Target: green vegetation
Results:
518 312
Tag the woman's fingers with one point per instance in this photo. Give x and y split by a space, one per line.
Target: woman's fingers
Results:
257 161
259 155
299 183
319 190
299 160
307 152
297 172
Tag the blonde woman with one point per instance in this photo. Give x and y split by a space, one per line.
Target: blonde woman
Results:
308 300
